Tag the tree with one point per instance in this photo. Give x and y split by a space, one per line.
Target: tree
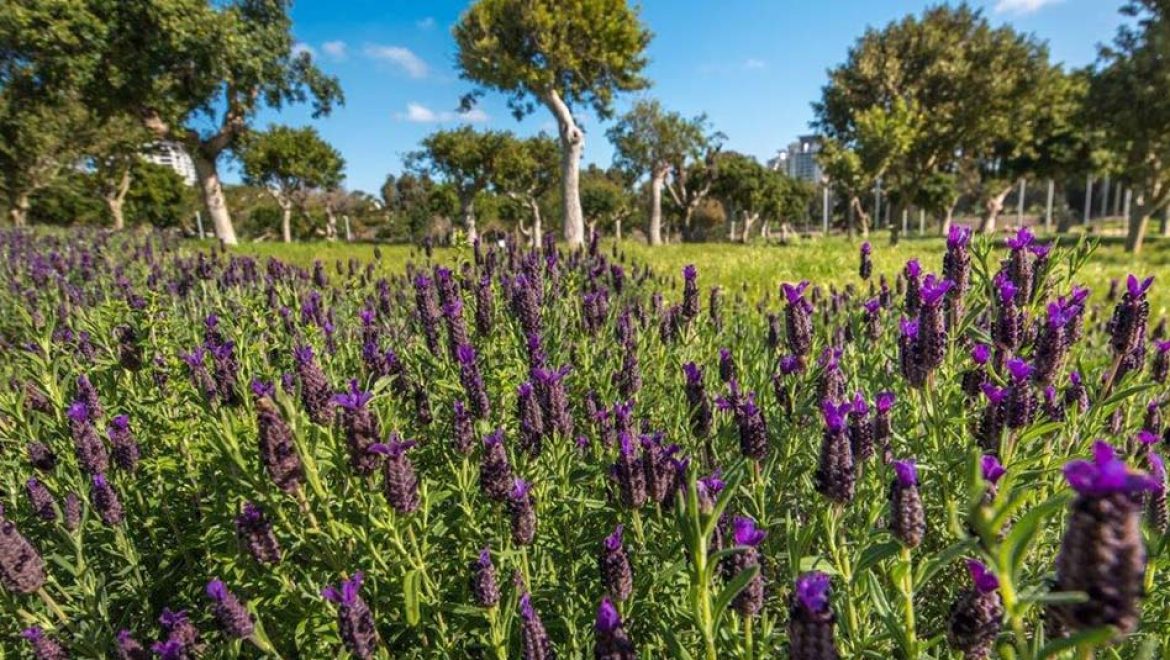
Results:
1130 84
880 137
158 196
562 54
465 158
525 171
648 140
977 88
606 200
41 135
290 163
117 145
198 72
749 191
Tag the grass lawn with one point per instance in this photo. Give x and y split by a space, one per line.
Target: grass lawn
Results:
757 268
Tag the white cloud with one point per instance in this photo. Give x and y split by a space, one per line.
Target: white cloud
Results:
754 64
334 49
426 23
302 47
401 57
421 114
1022 6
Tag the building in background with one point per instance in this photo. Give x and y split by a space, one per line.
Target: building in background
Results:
174 156
799 159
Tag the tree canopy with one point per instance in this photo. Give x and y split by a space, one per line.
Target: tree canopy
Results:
561 54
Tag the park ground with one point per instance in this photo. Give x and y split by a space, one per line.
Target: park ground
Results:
757 269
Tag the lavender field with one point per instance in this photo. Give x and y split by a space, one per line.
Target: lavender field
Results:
516 453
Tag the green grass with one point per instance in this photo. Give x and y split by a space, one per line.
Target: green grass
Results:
759 269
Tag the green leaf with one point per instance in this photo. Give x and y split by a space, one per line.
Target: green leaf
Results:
731 589
874 554
410 588
677 650
938 561
1086 638
1015 546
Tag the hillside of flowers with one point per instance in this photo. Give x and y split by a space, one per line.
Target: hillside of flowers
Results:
534 453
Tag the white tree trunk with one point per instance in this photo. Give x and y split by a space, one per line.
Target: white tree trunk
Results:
18 211
537 226
991 210
657 181
617 225
213 198
572 144
468 212
749 219
330 223
115 200
286 222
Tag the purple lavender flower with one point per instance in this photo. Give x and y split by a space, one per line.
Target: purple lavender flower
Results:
401 483
865 267
700 406
126 451
22 571
1020 267
472 380
611 642
462 437
882 426
105 500
522 514
428 312
355 622
834 477
614 566
797 319
484 589
932 331
41 500
44 647
860 429
907 517
912 274
361 427
278 452
229 612
534 641
550 386
129 648
976 615
1102 553
315 391
1020 407
811 620
629 473
746 535
531 419
255 533
495 473
91 453
690 304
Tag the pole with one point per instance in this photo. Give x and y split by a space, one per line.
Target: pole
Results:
921 222
877 204
1117 200
1125 209
1104 210
905 214
348 233
1020 202
825 212
1088 199
1048 206
199 223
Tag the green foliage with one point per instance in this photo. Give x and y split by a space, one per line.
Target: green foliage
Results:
605 198
583 51
159 197
291 162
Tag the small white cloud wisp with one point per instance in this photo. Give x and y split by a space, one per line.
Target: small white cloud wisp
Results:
420 114
1022 6
336 50
400 57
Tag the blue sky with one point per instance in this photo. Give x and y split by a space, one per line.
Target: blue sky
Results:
753 66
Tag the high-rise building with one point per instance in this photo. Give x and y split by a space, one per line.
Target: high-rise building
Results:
799 160
174 156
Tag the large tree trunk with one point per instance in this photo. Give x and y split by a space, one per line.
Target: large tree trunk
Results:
860 217
330 223
537 225
572 144
213 197
467 209
657 181
18 209
948 220
617 226
991 210
115 200
1139 221
286 222
749 219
